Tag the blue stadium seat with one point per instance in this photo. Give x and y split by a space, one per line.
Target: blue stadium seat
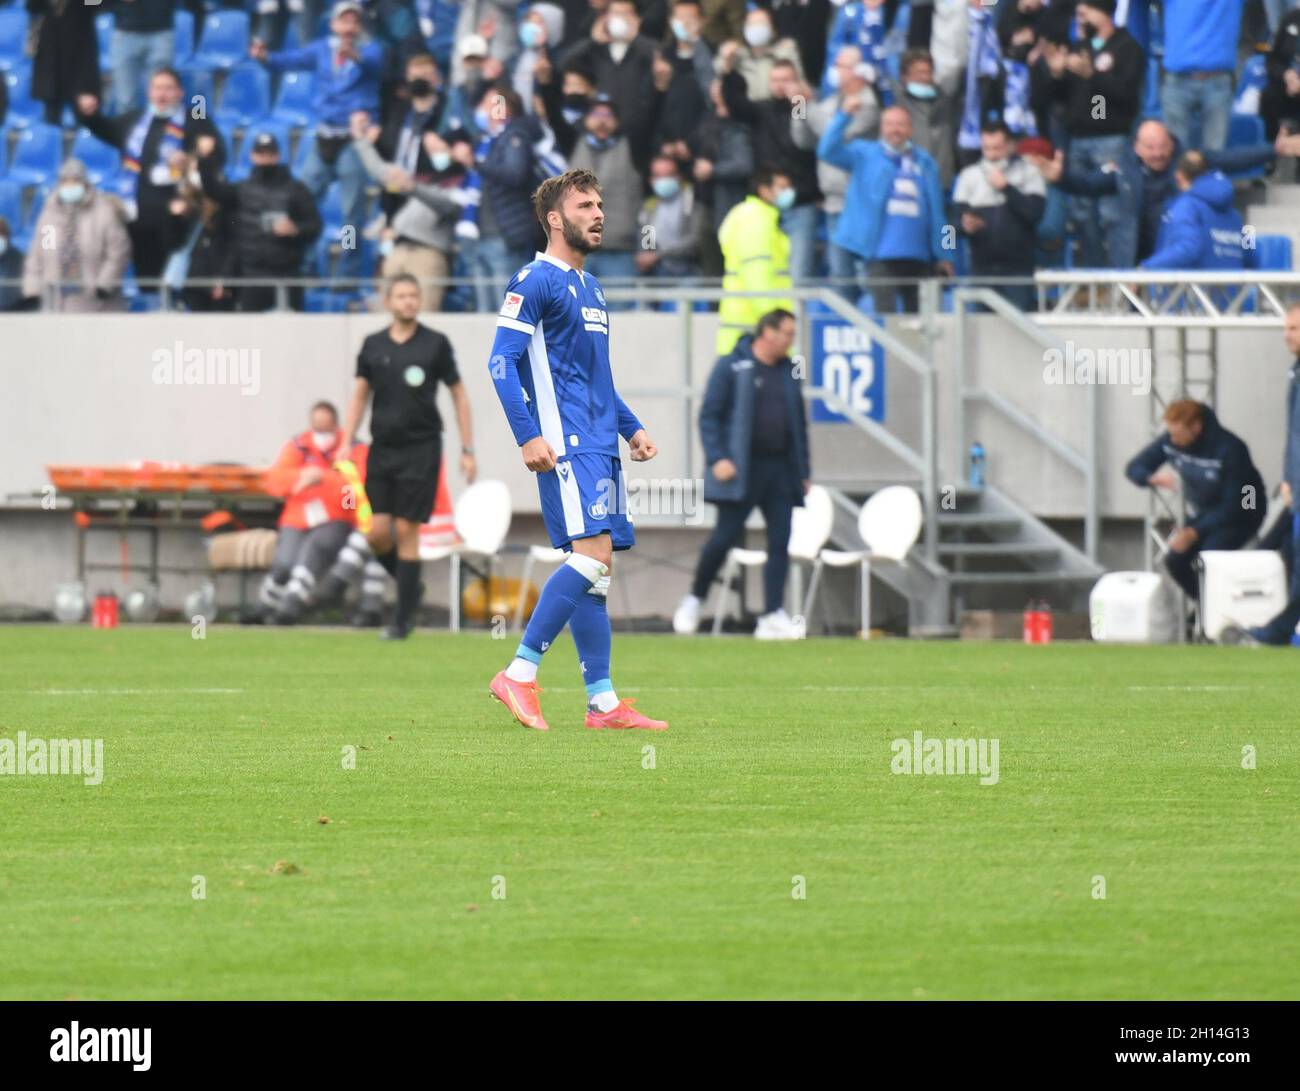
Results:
293 101
23 109
37 154
1246 130
1151 90
199 81
102 162
331 212
11 203
243 162
184 36
225 40
1250 85
246 96
1274 252
13 36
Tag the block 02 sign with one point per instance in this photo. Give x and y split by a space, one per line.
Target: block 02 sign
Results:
849 362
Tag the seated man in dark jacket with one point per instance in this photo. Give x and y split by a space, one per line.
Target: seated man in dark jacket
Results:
275 221
1219 480
754 429
998 203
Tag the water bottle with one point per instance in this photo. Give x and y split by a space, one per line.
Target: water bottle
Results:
977 465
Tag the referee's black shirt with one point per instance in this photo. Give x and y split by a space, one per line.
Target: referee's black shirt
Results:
404 380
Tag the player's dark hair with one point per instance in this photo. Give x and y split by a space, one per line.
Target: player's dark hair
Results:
551 193
401 278
772 320
329 407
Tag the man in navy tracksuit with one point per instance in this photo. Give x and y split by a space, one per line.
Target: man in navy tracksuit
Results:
1285 534
1219 480
754 429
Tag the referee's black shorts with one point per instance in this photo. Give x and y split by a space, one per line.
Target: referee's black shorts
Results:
403 481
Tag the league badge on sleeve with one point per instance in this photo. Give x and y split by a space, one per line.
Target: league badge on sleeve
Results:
510 308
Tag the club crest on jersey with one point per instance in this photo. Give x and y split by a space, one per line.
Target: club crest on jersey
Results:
595 319
600 296
510 308
597 509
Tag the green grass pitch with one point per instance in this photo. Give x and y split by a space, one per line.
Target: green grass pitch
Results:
223 755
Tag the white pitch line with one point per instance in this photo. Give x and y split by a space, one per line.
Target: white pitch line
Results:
114 692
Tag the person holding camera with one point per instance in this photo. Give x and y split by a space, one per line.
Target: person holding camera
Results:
275 220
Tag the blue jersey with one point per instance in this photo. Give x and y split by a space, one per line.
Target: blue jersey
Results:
550 361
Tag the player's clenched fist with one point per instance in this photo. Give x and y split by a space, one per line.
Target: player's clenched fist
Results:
641 448
539 456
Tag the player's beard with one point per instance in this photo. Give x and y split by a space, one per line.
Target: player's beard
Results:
575 237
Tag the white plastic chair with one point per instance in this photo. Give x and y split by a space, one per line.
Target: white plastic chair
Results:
537 554
481 515
810 527
889 525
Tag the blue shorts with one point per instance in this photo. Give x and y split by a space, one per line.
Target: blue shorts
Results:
583 496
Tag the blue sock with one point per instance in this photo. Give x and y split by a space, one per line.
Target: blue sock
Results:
567 587
591 634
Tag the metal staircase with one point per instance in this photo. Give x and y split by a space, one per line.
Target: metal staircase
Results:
979 546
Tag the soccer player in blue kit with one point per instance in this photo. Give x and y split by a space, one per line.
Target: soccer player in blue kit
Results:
550 366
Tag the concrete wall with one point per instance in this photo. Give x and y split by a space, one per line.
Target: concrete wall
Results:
82 389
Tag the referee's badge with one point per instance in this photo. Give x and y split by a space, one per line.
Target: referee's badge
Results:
414 375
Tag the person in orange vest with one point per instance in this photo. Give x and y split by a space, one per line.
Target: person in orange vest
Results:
320 513
356 560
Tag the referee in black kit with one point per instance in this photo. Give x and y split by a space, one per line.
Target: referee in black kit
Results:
402 366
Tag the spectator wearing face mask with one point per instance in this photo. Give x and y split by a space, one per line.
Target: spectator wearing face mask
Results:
566 101
484 20
772 121
347 74
422 109
604 151
754 58
80 247
275 221
852 80
507 162
1106 62
932 110
893 209
998 203
11 271
621 60
723 148
685 46
756 253
673 219
420 234
540 29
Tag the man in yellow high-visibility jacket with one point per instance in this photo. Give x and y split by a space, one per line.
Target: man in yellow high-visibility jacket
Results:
756 253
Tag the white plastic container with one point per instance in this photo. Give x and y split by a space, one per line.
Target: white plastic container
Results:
1245 587
1133 608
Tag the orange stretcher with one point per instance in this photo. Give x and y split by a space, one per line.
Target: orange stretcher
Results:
159 477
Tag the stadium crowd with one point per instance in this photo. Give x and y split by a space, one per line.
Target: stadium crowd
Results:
191 143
